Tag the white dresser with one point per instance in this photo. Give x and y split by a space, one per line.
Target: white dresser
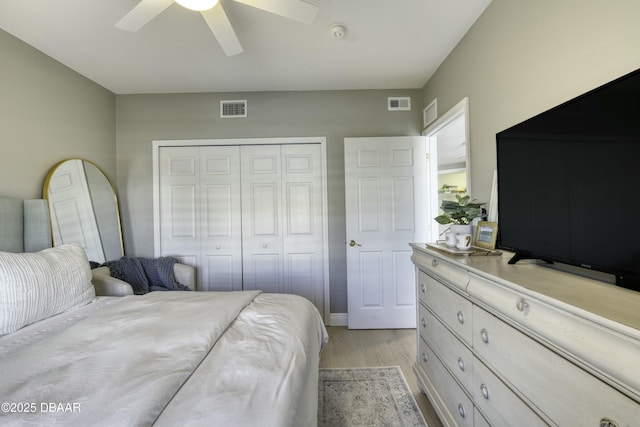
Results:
524 345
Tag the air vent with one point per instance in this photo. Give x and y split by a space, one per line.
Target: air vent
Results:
430 113
399 103
237 108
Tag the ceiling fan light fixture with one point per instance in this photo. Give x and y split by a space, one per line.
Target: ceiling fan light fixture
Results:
198 5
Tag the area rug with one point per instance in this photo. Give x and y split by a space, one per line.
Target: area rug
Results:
376 397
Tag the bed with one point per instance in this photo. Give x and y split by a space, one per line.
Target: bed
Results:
68 357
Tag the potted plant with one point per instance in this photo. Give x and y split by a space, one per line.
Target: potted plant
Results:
460 213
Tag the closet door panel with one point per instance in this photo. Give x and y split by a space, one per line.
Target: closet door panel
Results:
263 272
261 184
264 216
179 203
299 197
301 275
302 216
221 231
219 273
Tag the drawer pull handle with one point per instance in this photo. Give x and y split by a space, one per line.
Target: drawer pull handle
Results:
461 363
522 305
423 287
424 357
461 410
460 318
484 335
485 391
608 422
424 322
434 263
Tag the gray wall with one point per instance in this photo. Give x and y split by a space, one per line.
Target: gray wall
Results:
520 58
331 114
48 113
523 57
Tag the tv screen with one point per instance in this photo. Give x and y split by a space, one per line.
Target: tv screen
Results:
567 183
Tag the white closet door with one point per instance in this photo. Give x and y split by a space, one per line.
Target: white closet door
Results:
282 237
262 236
302 221
179 170
248 216
220 213
200 212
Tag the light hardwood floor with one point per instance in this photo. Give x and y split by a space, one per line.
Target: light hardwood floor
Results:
350 348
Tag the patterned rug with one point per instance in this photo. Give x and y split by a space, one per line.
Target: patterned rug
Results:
376 397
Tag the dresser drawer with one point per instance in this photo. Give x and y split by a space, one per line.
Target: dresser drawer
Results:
455 276
453 354
563 391
501 406
452 308
458 406
479 420
571 331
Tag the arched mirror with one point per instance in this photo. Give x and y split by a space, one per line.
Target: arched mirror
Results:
84 209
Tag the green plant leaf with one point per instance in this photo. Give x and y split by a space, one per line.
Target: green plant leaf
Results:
463 200
461 211
443 219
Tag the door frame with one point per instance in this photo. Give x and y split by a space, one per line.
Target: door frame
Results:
431 133
157 144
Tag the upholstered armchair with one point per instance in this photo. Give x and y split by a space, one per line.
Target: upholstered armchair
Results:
110 286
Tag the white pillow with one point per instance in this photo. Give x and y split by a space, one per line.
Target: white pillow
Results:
35 286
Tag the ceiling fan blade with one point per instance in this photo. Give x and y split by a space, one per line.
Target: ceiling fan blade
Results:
140 15
221 28
297 10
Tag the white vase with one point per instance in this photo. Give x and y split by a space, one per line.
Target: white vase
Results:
460 228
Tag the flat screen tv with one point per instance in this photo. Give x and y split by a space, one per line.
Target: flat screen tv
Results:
568 183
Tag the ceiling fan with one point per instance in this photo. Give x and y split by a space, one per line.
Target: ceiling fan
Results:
216 18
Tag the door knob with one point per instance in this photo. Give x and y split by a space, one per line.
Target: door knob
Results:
354 243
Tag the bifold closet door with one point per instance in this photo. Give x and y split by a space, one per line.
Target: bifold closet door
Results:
282 228
200 212
248 217
262 218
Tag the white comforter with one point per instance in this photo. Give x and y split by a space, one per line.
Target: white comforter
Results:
151 360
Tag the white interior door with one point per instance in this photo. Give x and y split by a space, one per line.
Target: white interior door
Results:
386 208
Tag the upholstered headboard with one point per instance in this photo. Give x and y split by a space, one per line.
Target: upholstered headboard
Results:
25 225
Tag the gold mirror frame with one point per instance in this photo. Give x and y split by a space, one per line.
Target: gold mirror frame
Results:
84 209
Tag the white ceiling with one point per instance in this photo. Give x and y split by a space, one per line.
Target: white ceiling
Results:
389 44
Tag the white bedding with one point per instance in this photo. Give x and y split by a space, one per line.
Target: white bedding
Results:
151 360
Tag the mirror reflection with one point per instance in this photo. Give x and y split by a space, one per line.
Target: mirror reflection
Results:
451 134
84 209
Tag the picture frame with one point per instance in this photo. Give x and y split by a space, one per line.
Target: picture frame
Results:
486 234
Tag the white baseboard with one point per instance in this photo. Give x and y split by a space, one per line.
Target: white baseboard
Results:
338 319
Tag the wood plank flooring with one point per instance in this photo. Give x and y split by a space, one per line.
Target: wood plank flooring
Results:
350 348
